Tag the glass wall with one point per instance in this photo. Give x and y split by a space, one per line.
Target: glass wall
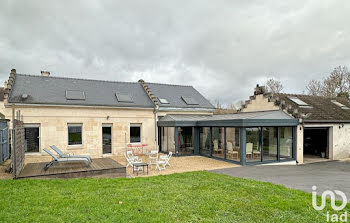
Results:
218 142
269 143
253 150
286 142
233 149
185 141
204 140
168 139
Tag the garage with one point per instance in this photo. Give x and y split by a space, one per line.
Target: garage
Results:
316 143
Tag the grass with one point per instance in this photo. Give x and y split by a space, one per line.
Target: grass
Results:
187 197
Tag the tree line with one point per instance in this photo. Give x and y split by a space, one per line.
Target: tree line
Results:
336 84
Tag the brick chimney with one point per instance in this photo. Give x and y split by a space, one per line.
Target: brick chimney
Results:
45 73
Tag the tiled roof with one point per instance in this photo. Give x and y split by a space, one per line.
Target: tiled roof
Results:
320 108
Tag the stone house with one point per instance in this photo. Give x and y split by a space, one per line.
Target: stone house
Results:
94 117
324 122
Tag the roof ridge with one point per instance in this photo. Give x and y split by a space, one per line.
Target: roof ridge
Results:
80 79
178 85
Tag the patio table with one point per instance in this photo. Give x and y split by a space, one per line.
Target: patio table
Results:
137 165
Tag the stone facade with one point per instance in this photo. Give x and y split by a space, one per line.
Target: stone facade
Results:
54 120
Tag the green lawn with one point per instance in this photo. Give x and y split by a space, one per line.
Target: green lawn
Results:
187 197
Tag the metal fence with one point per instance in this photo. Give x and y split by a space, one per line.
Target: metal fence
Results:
4 141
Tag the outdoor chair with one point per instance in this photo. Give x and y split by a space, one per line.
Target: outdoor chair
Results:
56 159
160 164
131 160
65 155
131 155
166 158
153 157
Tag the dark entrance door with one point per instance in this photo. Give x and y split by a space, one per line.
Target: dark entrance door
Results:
316 142
106 139
31 136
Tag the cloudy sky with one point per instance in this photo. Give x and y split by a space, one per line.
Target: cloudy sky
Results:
222 48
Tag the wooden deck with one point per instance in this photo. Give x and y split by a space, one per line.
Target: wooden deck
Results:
101 167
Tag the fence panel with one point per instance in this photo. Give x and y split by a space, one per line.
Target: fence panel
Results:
4 141
18 153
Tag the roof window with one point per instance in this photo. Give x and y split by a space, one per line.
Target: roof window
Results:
189 101
340 104
124 98
75 95
163 101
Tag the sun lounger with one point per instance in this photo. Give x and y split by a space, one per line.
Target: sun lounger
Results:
56 159
63 155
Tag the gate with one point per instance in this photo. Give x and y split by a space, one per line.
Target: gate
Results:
4 140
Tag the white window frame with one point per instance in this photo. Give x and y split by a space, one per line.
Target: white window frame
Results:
75 125
135 125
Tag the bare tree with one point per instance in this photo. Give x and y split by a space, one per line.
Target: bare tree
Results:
315 87
274 86
336 84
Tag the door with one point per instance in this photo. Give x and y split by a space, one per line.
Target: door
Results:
32 139
106 139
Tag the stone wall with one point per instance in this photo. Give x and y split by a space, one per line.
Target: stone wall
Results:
54 122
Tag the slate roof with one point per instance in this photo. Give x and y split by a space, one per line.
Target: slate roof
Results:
174 93
52 90
322 108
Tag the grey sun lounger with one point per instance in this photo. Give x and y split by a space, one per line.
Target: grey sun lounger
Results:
62 155
56 159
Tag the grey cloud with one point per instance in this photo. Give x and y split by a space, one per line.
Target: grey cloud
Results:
222 48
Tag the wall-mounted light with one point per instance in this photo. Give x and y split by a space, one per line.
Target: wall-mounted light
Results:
107 117
341 125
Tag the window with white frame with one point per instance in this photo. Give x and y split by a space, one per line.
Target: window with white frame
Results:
75 134
135 133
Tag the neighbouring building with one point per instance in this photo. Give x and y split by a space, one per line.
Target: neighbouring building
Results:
323 122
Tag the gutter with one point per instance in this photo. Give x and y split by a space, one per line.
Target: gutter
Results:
326 121
8 105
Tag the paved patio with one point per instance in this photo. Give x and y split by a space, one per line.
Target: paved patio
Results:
180 165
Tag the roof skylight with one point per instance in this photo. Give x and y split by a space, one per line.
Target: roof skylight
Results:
163 101
124 98
298 101
340 104
189 101
75 95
